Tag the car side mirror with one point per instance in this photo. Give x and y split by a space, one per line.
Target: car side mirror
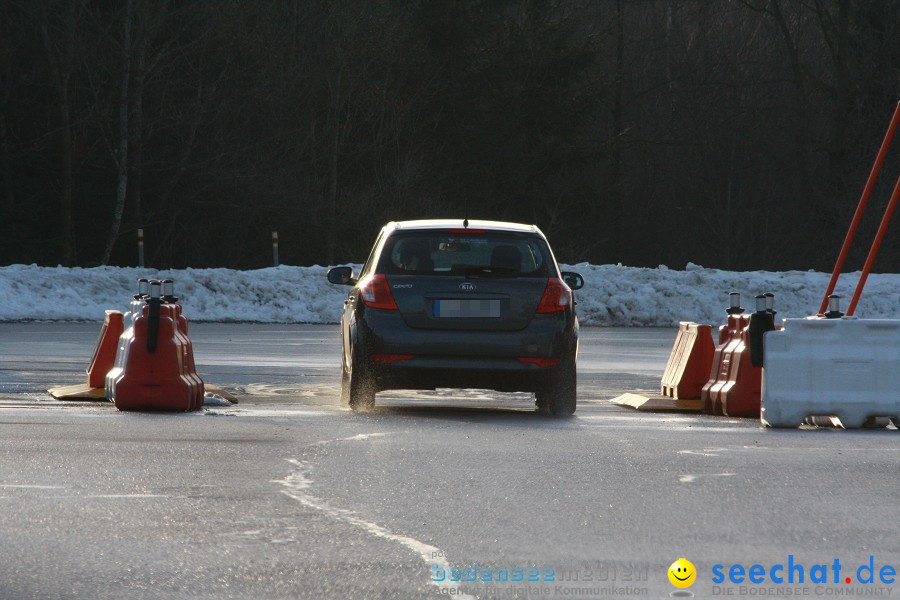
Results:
573 280
341 276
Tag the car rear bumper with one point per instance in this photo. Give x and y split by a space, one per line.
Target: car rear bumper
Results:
465 359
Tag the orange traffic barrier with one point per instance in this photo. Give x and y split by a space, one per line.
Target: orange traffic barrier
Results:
135 308
188 366
190 370
734 383
689 362
729 338
740 395
155 368
105 353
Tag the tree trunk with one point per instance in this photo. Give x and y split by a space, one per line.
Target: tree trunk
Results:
840 48
800 103
335 155
65 204
122 151
136 155
9 201
61 61
616 150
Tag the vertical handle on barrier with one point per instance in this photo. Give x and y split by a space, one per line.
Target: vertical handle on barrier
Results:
863 200
834 307
143 289
154 302
761 321
734 301
168 291
876 246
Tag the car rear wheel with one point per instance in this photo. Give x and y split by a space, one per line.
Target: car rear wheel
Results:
558 396
357 384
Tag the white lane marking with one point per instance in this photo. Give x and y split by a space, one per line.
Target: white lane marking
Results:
271 412
692 478
80 496
694 452
296 484
653 418
118 496
354 438
33 487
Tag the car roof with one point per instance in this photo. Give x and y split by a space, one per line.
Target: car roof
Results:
458 224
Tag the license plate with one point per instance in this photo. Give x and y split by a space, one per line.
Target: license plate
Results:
470 308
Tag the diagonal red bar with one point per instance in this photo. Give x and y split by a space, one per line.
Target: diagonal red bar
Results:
876 245
861 207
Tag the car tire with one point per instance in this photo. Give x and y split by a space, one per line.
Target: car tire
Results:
357 385
558 396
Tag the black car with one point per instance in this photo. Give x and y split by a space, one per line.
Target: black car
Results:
458 304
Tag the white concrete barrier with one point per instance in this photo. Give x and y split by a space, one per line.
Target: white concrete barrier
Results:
848 368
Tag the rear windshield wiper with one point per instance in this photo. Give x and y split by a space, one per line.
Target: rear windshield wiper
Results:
491 272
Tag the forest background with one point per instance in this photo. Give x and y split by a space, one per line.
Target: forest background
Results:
736 134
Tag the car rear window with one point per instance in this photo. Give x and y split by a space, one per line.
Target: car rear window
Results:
446 253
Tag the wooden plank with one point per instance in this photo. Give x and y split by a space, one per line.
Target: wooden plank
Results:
214 389
79 391
82 392
658 403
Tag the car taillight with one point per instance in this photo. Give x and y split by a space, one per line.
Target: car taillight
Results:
376 293
557 297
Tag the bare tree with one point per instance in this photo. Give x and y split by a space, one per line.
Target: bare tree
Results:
120 155
8 196
62 50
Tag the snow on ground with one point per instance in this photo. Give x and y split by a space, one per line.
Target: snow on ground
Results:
612 296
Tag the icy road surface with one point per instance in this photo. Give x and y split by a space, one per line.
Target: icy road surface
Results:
286 495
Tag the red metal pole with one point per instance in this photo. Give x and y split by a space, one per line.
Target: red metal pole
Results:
876 245
864 199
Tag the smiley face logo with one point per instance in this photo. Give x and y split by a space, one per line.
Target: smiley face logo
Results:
682 573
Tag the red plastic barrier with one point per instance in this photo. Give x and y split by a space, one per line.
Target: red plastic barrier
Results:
740 395
190 369
105 352
162 380
733 327
125 342
729 339
689 363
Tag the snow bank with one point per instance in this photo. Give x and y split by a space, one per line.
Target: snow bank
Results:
617 296
612 296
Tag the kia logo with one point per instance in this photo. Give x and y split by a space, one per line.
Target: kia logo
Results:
468 287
